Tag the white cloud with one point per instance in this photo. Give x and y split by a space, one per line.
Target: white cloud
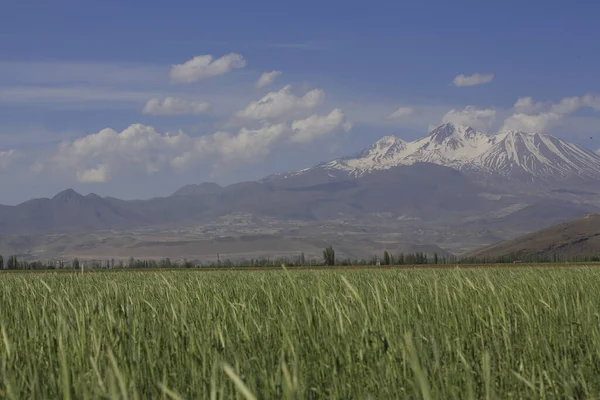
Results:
540 117
527 105
138 148
248 145
472 80
202 67
591 101
478 119
316 126
567 105
401 113
94 175
175 106
267 78
141 149
281 104
7 157
531 123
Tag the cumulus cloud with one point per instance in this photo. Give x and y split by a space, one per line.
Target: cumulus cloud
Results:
401 113
478 119
94 175
531 123
472 80
591 101
539 117
175 106
315 126
267 78
138 148
281 104
202 67
527 105
141 149
248 144
567 105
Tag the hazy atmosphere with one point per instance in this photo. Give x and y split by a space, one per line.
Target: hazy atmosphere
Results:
132 100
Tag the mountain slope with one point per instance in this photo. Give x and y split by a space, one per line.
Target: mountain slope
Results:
510 154
575 238
202 188
520 154
67 211
422 191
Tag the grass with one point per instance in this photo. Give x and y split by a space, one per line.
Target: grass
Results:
472 333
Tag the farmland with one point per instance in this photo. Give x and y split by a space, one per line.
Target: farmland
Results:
352 333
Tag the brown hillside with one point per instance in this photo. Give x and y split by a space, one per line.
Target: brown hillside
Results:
580 237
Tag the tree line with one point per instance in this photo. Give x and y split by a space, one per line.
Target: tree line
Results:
329 259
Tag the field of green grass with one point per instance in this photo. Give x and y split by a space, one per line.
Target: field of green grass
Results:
434 334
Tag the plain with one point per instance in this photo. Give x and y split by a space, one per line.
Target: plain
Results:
336 333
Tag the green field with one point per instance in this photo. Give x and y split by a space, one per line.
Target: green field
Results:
444 334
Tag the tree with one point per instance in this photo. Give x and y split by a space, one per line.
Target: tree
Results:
75 264
329 256
12 262
400 259
1 262
386 258
435 258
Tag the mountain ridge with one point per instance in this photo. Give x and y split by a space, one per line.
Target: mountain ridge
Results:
508 154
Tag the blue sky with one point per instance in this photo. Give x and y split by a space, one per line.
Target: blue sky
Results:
69 69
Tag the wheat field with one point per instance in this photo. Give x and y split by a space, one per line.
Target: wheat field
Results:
432 334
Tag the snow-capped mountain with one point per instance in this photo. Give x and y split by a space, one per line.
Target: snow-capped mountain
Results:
539 155
511 154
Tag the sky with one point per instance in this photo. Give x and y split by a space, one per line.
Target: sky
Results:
136 99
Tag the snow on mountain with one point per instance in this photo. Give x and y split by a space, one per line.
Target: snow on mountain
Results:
522 154
512 154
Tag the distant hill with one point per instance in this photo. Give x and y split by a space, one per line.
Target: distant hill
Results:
577 238
67 211
197 189
424 191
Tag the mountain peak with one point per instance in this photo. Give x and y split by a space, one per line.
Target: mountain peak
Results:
67 195
389 140
444 131
385 148
510 154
